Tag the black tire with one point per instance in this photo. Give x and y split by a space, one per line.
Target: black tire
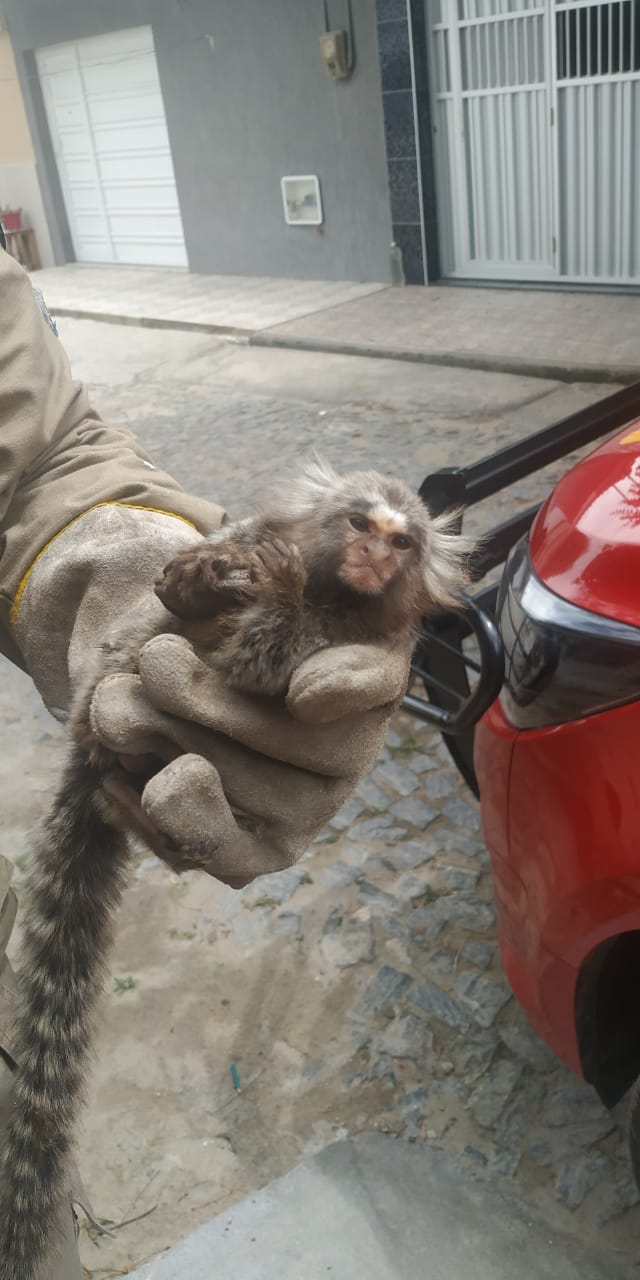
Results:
634 1132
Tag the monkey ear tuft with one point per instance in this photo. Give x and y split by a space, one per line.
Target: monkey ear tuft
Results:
448 553
312 484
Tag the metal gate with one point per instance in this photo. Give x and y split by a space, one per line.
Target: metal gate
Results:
536 113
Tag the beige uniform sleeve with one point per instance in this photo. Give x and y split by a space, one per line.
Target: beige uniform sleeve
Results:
58 459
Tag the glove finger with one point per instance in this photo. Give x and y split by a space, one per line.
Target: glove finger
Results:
125 722
186 803
348 680
178 682
264 789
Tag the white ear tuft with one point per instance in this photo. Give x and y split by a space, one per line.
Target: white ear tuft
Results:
446 571
306 489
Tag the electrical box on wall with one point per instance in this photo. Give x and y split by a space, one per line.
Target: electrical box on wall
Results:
335 54
301 200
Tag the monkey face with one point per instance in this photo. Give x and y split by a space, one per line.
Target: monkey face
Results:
379 547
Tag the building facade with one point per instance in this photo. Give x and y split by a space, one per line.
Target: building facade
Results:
19 186
476 140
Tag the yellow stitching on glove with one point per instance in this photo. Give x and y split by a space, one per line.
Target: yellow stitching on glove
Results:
131 506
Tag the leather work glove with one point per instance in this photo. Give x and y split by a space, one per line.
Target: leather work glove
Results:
240 785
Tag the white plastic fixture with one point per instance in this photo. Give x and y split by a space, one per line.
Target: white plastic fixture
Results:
301 200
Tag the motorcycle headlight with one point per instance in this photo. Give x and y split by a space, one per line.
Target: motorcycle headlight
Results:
562 662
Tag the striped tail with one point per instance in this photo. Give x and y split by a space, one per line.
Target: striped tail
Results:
76 883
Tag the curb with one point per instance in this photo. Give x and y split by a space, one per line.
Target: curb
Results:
622 375
549 370
152 322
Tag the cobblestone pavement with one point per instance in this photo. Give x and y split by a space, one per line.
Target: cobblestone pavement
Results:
368 978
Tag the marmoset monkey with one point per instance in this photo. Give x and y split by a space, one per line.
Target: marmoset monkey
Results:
334 561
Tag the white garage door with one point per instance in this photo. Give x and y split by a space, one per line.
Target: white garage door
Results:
109 134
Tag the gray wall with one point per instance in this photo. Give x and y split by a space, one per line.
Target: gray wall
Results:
247 101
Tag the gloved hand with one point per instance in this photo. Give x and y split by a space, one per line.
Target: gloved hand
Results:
244 783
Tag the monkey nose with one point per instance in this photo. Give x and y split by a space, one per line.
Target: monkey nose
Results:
377 551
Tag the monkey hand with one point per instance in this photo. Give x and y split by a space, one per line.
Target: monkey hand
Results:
205 580
244 784
216 576
277 570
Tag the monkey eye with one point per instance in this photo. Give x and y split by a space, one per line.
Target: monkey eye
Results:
401 542
359 523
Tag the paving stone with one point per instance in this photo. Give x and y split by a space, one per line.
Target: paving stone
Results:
274 889
439 1005
388 986
565 1144
374 862
504 1163
393 740
381 828
339 875
407 1037
415 1098
465 909
326 837
396 775
347 942
458 842
371 896
621 1196
414 811
421 763
347 814
382 1070
446 1097
399 926
357 853
460 878
476 1055
459 811
493 1093
475 1157
523 1042
249 927
408 888
439 785
483 996
288 924
412 853
478 953
373 796
521 1114
575 1104
442 963
542 1152
424 919
577 1178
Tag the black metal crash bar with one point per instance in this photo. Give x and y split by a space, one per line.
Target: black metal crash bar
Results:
464 486
440 662
451 707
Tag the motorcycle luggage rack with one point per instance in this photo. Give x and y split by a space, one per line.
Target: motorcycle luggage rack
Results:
459 658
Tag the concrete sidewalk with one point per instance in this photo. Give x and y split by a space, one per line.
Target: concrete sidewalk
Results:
170 298
573 337
374 1208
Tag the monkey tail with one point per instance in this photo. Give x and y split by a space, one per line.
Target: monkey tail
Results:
76 882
